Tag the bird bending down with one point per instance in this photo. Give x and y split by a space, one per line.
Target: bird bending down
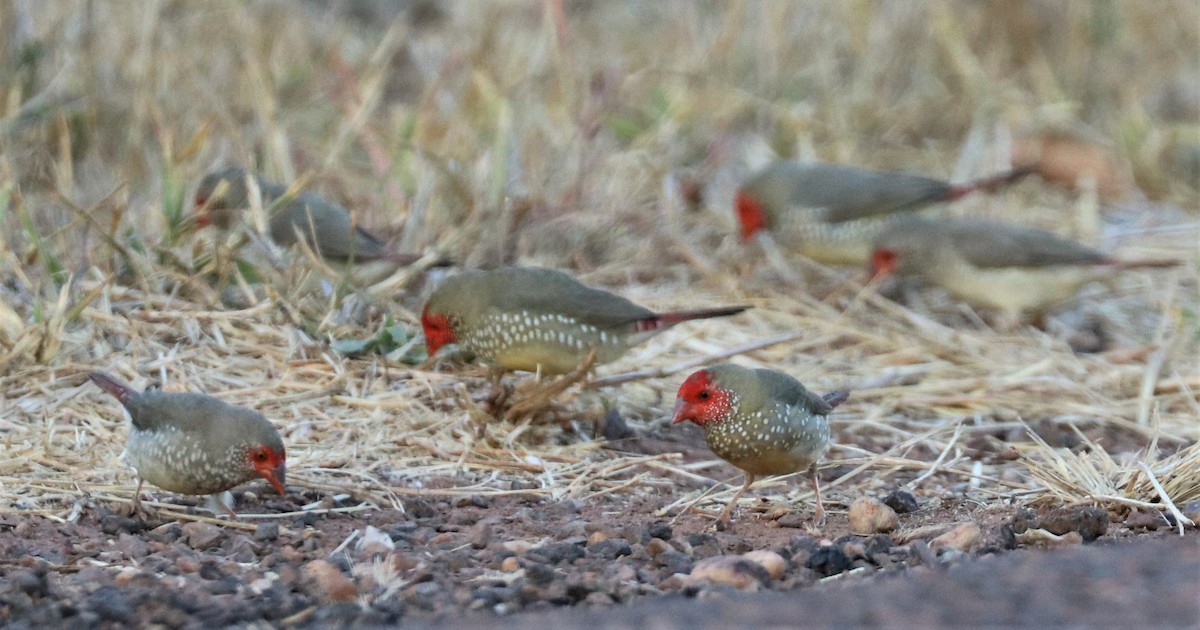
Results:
1013 269
195 444
831 212
761 421
326 227
540 320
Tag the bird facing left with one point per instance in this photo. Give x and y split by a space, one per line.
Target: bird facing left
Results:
195 444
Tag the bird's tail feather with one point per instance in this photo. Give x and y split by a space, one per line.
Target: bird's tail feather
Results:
833 399
119 390
665 320
1146 264
992 183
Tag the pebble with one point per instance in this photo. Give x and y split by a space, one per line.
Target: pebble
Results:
1089 520
902 502
656 546
201 536
870 516
325 582
735 571
610 549
826 561
482 536
519 547
113 524
673 561
596 537
964 537
510 564
1145 520
265 532
1045 538
769 560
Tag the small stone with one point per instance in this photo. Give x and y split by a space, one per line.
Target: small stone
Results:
1045 538
519 547
964 537
1089 520
794 520
826 561
110 603
510 564
113 524
482 536
1145 520
870 516
615 427
539 574
610 549
901 501
325 582
735 571
769 560
660 530
374 542
598 598
596 537
201 536
656 546
674 562
265 532
132 546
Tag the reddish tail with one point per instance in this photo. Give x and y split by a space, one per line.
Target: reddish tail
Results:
991 184
833 399
119 390
666 320
1144 264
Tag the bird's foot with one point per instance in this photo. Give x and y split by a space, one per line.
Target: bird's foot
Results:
135 509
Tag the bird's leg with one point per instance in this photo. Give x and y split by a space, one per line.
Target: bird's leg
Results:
136 504
544 394
216 504
724 517
819 513
500 395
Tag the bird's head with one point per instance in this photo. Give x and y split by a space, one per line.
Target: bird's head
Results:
751 215
439 329
268 461
219 195
702 400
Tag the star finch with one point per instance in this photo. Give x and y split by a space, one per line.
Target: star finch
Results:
1014 269
831 212
761 421
325 226
543 320
195 444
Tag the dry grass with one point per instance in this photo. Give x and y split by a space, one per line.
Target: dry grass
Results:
497 134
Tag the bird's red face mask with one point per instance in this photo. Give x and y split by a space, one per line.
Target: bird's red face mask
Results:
438 331
700 400
270 465
883 263
750 215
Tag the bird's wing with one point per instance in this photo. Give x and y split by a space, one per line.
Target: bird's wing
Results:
845 193
550 291
990 244
783 388
335 235
185 412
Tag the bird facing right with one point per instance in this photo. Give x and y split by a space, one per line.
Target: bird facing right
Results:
195 444
761 421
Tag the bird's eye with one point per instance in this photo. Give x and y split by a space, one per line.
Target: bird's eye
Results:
261 456
704 394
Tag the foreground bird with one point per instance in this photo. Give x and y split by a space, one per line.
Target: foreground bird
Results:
195 444
761 421
540 320
324 225
831 212
1016 270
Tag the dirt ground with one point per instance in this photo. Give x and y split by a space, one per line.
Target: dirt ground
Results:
614 560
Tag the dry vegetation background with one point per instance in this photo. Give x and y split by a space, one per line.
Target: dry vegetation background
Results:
606 140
